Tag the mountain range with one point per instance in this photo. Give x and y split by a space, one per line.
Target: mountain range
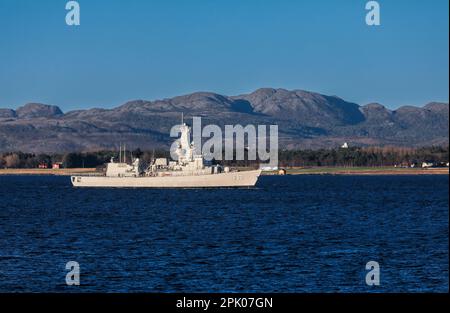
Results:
305 120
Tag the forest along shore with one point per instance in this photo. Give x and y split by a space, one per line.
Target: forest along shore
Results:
289 171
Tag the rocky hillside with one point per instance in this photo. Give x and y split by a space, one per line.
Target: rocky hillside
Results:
305 119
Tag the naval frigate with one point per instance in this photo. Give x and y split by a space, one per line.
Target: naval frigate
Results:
189 171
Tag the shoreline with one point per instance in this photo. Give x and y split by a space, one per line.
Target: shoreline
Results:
49 171
366 171
289 171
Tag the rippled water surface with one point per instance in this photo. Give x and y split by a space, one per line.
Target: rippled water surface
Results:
290 234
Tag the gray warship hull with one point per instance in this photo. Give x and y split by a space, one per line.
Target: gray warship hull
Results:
231 179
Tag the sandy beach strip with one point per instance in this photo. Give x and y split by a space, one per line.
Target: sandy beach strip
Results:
367 171
59 172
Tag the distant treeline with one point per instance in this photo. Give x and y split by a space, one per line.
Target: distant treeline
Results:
354 156
73 160
367 156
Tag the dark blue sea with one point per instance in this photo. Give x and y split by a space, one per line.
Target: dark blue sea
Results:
290 234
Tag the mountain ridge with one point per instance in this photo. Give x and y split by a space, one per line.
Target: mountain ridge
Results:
306 120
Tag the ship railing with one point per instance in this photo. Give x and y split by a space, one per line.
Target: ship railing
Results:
88 174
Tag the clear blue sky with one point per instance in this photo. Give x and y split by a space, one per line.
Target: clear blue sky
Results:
138 49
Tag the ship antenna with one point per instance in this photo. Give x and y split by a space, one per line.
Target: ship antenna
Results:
182 118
